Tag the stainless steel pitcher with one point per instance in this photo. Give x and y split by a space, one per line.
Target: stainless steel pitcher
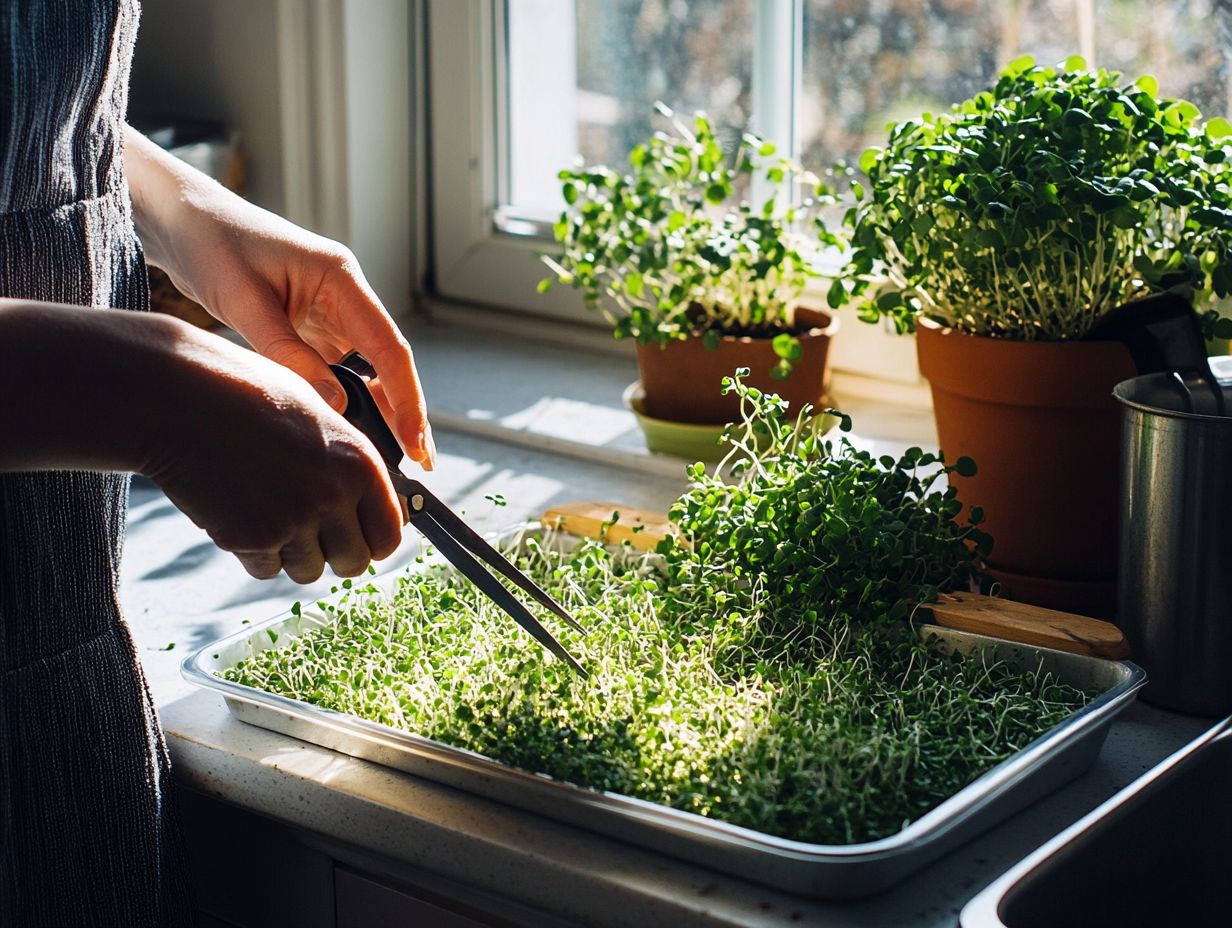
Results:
1174 592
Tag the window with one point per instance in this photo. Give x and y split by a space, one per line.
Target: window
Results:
525 86
866 64
618 59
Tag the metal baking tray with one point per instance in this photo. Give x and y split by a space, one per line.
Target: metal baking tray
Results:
824 871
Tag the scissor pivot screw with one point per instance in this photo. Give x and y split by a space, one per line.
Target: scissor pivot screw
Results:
417 502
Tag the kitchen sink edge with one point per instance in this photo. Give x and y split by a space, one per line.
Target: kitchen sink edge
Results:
1154 854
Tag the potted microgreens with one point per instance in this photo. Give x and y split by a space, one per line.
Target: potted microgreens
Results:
704 281
1000 232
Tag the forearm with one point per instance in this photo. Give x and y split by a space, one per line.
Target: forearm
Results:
163 189
80 388
241 445
182 216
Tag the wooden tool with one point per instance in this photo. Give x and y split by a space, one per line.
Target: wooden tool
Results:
968 612
611 522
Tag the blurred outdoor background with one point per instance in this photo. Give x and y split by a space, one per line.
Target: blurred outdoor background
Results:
863 63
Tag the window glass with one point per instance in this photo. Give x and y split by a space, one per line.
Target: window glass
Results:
870 62
583 75
624 55
1186 44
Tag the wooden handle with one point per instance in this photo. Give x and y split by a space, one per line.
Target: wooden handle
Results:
968 612
1035 625
640 528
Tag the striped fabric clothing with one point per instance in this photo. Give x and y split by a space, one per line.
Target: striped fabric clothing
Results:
87 832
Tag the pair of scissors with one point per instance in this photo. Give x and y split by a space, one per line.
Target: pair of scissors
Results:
456 540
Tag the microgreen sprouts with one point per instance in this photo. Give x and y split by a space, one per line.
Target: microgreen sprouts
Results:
763 675
849 746
816 522
1041 203
674 252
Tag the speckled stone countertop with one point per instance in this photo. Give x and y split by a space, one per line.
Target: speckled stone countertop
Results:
179 590
587 879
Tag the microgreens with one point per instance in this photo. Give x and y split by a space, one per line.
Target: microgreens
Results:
816 521
675 252
763 675
1036 206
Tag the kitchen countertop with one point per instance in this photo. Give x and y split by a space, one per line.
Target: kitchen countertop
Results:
587 879
180 590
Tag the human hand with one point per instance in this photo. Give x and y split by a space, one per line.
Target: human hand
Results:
250 453
296 297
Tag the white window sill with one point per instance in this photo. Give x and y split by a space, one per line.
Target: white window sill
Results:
556 387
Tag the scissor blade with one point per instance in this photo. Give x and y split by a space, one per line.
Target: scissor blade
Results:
489 585
497 561
478 545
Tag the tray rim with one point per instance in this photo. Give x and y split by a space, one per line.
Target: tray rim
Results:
948 815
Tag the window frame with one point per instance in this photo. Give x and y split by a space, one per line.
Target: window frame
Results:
483 254
476 257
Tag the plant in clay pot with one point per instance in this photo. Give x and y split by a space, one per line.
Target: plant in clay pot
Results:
1002 232
702 280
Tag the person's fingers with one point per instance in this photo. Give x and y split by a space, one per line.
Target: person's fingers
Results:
343 544
264 565
380 520
428 461
274 336
430 445
395 365
303 559
377 338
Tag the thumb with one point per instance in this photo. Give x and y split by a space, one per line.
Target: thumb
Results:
279 342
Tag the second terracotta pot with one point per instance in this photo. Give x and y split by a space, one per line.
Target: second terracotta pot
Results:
1040 422
682 380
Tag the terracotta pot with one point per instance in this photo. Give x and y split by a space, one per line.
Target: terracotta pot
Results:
1040 422
682 380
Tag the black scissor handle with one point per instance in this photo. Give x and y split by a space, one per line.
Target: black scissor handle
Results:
361 409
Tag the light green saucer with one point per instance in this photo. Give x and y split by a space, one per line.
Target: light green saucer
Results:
688 440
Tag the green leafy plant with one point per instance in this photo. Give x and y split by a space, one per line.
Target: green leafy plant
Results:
772 682
818 521
1215 325
1031 209
669 250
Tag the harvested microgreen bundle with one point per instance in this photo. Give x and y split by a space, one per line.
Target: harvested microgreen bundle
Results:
725 679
